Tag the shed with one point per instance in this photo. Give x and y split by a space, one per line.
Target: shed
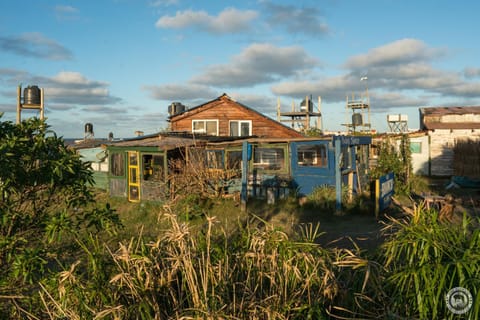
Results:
447 128
140 167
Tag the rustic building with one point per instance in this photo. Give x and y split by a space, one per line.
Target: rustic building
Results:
224 116
447 127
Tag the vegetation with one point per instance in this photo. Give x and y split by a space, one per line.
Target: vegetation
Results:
43 218
397 159
64 257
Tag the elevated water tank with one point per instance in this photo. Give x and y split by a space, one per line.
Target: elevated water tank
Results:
31 95
175 108
88 128
303 105
357 119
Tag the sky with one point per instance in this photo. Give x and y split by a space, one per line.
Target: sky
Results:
118 64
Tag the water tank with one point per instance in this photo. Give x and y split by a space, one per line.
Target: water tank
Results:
89 128
303 106
175 108
357 119
31 95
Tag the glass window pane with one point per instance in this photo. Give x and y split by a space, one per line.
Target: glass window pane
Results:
234 159
269 158
415 147
212 128
234 128
198 126
245 129
133 159
215 159
117 166
312 155
134 194
133 175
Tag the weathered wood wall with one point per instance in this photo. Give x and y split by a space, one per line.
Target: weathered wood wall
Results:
442 143
225 110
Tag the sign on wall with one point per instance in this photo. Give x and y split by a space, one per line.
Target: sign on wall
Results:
384 190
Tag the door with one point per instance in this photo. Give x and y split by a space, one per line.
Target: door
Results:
312 165
133 176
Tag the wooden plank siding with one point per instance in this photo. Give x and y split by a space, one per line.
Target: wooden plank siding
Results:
442 143
224 109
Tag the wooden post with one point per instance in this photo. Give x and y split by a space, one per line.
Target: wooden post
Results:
350 186
19 103
338 177
244 192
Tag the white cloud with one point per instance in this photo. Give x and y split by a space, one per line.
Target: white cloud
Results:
230 20
394 53
259 63
471 72
35 45
181 92
306 20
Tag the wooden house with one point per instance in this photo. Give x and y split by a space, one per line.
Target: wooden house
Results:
272 168
448 128
149 167
224 116
140 168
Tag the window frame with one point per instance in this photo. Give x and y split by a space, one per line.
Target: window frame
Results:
239 128
114 158
320 156
264 166
204 131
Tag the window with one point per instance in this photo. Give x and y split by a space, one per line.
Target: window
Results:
153 167
208 127
312 155
117 164
269 158
240 128
234 159
215 159
415 147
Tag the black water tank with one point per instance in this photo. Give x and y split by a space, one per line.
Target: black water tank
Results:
357 119
31 95
175 108
303 105
88 128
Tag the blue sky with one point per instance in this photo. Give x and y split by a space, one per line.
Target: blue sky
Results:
118 64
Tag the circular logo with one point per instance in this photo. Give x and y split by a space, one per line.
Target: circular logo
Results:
459 300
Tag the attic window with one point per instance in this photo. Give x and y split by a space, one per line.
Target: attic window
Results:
208 127
240 128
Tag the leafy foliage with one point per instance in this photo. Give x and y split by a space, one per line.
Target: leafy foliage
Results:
397 159
44 195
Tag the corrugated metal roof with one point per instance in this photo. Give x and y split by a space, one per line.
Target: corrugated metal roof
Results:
162 142
450 110
451 125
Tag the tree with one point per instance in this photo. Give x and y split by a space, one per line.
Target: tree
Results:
396 158
45 190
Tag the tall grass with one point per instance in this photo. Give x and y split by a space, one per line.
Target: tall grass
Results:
257 273
426 257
